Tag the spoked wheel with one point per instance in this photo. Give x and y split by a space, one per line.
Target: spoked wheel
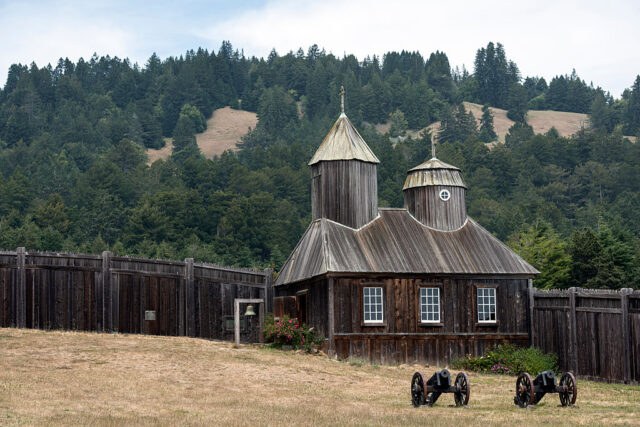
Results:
417 390
524 390
569 388
462 395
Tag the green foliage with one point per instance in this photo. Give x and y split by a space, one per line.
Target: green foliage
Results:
458 125
74 176
487 133
517 103
398 123
508 359
287 331
541 247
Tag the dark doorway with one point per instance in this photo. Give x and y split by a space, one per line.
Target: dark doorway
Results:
302 298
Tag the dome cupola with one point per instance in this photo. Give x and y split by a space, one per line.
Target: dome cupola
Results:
435 193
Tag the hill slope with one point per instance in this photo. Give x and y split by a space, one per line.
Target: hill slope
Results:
540 120
225 127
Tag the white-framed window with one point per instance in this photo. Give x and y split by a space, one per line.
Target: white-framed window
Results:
373 306
445 195
430 305
486 305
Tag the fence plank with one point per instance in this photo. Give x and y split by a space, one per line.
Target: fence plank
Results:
21 289
573 353
626 347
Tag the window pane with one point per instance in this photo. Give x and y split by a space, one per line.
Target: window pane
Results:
372 307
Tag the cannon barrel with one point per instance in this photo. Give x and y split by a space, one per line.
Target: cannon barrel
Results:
440 380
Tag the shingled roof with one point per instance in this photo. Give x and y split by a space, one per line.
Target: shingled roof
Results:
434 172
343 142
396 242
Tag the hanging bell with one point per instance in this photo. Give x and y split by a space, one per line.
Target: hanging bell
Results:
250 311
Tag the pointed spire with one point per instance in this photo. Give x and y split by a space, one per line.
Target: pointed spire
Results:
342 99
343 142
433 149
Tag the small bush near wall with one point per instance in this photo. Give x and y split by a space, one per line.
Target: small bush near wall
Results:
289 332
510 360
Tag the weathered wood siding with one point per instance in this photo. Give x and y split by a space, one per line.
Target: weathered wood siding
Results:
345 191
403 339
596 333
425 205
111 293
317 301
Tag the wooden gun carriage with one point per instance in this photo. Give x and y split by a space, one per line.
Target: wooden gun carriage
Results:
427 392
531 391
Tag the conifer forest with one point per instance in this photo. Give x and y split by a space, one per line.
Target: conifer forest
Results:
76 178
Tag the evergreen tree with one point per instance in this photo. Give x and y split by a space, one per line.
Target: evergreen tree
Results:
540 246
632 111
398 123
184 139
517 103
487 133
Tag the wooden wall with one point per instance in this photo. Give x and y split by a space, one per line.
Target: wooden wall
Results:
596 333
317 301
403 339
110 293
345 191
425 205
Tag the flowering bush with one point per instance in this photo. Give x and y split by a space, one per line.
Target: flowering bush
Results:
508 359
287 331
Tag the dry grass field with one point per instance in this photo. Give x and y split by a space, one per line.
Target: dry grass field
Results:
54 378
224 130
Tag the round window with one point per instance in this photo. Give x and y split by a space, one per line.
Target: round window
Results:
445 195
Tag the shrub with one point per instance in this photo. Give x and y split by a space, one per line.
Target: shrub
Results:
287 331
510 360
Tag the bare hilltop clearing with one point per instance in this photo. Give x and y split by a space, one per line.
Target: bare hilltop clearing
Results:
63 378
540 120
225 128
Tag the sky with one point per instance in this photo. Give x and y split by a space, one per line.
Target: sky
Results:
600 39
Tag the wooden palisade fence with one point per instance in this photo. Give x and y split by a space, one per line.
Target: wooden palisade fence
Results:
595 333
110 293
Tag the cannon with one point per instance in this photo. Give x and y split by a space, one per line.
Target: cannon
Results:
530 391
426 393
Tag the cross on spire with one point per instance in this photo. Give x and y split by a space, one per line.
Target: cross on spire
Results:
342 99
433 148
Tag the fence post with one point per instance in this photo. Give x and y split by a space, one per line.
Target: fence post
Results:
21 289
107 294
268 290
573 329
532 330
190 300
624 305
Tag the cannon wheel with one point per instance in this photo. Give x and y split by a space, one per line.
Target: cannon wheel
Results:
569 391
417 390
524 390
462 396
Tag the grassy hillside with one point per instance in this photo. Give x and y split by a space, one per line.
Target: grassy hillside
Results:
54 378
225 127
541 121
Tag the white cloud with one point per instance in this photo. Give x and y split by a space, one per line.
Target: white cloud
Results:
41 33
543 38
